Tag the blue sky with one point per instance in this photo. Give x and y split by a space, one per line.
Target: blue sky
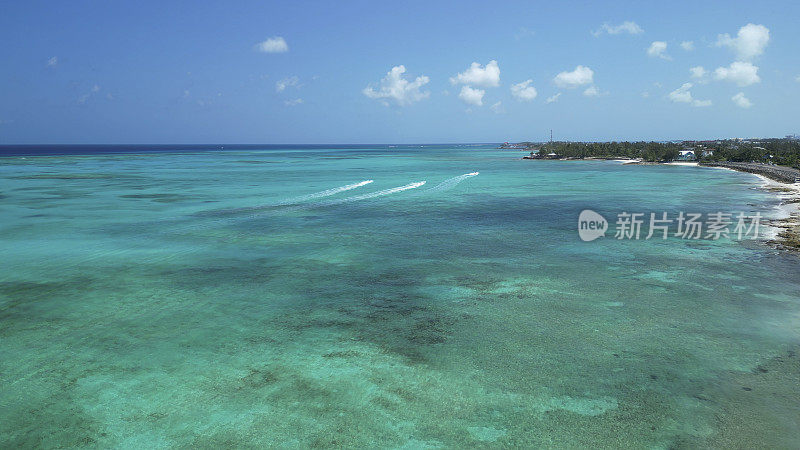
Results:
218 72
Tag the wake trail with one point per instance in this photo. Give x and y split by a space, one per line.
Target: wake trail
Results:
325 193
452 182
375 194
290 201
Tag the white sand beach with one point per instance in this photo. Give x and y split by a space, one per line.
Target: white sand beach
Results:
787 213
682 163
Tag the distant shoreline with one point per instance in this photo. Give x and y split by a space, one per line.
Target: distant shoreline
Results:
777 180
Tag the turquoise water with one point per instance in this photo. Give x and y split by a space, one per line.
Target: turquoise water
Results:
218 299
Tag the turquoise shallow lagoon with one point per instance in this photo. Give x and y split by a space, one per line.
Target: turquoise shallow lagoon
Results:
237 298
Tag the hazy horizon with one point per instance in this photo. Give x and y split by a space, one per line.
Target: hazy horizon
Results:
363 144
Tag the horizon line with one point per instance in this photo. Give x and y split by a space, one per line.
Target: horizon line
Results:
375 143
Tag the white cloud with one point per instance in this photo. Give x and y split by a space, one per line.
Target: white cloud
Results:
524 91
85 97
471 96
699 74
498 108
477 75
580 76
625 27
592 91
741 73
750 41
52 62
797 79
741 101
402 91
281 85
683 95
524 32
553 98
273 45
294 102
687 45
657 50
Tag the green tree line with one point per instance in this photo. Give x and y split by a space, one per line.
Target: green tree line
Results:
648 151
784 152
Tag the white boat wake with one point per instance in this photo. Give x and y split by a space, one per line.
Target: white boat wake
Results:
293 204
375 194
325 193
450 183
291 201
303 201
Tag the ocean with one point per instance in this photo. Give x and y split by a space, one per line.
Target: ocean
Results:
383 296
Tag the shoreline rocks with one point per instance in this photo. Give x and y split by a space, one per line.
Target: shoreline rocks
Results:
777 173
783 179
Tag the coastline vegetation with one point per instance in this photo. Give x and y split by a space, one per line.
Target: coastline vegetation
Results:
783 152
647 151
779 151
